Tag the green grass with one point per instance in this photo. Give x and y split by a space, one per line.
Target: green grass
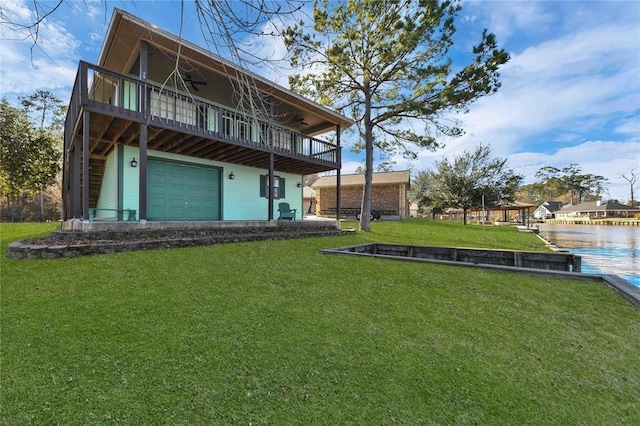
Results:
417 231
275 333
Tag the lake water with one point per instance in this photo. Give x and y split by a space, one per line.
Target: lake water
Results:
604 249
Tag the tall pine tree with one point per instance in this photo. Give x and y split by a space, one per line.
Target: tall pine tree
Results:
386 64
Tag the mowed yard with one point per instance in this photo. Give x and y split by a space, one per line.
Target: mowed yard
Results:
275 333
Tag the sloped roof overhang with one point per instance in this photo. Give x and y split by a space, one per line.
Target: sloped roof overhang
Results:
122 44
382 178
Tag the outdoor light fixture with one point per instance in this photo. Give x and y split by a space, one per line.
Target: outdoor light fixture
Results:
232 176
299 184
134 163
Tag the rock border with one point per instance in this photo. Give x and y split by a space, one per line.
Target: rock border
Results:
68 245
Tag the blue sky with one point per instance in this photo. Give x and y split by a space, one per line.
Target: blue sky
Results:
570 93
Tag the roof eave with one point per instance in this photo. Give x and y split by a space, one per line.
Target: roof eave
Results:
274 89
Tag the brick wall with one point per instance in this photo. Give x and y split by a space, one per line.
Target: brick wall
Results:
383 197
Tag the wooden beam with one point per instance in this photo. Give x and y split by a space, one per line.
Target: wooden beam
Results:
339 159
160 138
85 164
76 207
142 167
270 192
188 144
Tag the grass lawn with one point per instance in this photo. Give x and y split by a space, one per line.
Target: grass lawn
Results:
275 333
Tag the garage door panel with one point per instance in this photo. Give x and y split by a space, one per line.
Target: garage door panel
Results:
179 191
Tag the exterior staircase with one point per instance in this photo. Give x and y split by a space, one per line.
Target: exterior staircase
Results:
96 172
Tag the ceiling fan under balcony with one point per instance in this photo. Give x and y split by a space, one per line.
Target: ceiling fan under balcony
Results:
193 83
295 119
300 120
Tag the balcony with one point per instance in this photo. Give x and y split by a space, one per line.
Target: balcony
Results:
182 124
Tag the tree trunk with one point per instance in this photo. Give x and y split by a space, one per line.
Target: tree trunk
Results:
365 209
464 216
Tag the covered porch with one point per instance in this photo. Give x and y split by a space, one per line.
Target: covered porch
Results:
98 122
156 116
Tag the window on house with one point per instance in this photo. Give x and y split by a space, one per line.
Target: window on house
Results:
278 186
185 111
162 105
129 95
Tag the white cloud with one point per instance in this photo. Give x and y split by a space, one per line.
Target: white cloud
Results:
349 167
550 84
509 19
88 8
630 126
558 94
29 63
17 11
604 158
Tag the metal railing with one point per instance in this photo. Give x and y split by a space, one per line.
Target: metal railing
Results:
130 97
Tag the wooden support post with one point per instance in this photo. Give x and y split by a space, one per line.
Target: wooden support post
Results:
270 176
142 167
85 165
271 180
142 91
339 164
76 207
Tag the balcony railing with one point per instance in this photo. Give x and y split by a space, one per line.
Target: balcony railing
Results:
128 97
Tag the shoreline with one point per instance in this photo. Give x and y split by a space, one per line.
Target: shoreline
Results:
585 221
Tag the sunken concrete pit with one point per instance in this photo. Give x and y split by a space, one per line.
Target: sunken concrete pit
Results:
520 259
553 265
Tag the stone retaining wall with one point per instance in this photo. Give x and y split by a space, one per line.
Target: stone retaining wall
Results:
61 244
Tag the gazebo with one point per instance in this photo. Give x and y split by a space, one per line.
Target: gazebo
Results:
502 213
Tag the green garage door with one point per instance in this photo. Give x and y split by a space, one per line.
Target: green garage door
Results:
178 191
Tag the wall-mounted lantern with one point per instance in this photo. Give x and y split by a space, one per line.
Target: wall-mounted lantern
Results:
134 163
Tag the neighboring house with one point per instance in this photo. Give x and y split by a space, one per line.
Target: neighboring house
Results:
163 130
388 194
547 210
597 210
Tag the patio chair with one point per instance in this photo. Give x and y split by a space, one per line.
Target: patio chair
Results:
286 212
